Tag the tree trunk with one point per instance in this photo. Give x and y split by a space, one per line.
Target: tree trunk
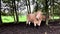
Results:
0 18
36 6
29 6
46 10
0 13
15 12
53 9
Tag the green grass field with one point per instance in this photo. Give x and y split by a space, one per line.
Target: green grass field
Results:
8 19
55 17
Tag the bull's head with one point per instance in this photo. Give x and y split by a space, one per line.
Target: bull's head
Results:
45 17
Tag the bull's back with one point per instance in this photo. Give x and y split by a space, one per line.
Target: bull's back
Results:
31 17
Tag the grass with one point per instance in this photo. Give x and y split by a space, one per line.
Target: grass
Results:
55 17
22 18
7 19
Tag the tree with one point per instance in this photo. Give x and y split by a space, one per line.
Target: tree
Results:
28 6
15 12
46 10
0 13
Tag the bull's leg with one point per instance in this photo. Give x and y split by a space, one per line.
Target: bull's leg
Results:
35 24
39 23
29 23
26 22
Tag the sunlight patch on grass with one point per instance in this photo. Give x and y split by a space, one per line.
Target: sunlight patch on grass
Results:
7 19
55 17
22 18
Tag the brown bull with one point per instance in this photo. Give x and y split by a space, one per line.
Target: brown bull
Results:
40 17
35 18
32 18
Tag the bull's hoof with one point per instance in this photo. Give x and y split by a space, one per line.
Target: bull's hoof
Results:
36 27
34 24
38 24
27 25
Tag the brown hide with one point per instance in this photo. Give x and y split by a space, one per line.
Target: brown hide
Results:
32 18
36 18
